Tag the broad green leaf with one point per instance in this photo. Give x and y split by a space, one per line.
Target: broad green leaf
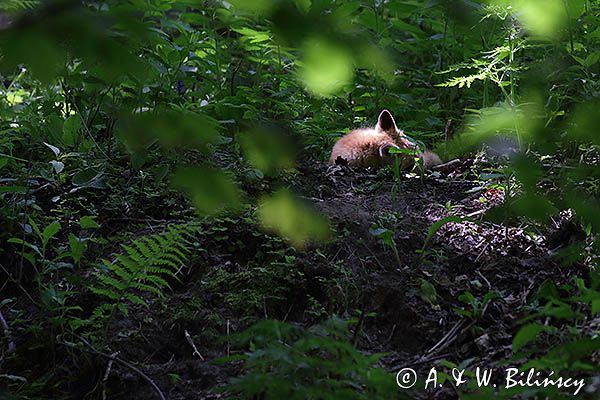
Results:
26 244
211 190
71 129
88 222
256 6
49 232
270 152
58 166
326 67
54 149
438 224
13 189
427 291
595 306
526 334
89 178
292 219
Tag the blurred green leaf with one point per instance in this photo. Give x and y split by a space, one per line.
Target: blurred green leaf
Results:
268 151
210 190
326 67
291 218
170 128
545 18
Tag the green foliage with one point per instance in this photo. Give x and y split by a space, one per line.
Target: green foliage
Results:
287 361
143 269
475 307
292 219
559 344
109 109
386 237
17 5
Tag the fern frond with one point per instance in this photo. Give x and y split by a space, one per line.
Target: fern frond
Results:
111 282
106 293
18 5
134 299
158 281
144 268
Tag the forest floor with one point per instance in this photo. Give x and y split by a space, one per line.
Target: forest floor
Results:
405 306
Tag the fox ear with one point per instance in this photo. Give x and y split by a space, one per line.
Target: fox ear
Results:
386 122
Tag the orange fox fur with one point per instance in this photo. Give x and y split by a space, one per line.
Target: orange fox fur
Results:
370 147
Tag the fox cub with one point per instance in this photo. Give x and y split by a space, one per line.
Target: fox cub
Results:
371 147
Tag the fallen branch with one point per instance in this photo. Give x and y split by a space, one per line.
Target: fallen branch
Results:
447 165
132 367
447 339
189 339
107 373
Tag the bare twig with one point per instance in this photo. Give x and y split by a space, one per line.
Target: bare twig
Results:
419 361
93 350
189 339
486 281
447 166
391 336
474 213
483 250
288 312
228 346
107 373
447 338
444 342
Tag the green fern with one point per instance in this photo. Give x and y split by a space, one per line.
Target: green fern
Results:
18 5
143 268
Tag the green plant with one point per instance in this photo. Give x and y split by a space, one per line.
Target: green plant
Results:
38 255
476 307
289 361
143 269
386 237
17 5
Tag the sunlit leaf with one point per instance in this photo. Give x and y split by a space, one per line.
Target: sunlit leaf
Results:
544 18
210 190
58 166
171 128
288 216
269 151
326 67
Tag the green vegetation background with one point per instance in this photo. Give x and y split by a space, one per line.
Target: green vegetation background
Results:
123 107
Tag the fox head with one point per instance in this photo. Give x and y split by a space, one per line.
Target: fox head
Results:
387 124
